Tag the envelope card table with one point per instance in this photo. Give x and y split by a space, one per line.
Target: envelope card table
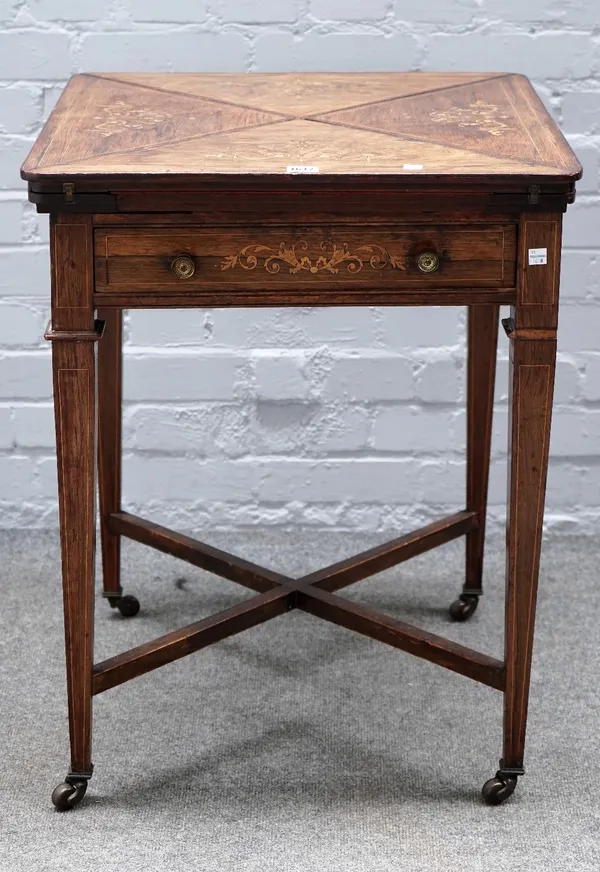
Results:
399 189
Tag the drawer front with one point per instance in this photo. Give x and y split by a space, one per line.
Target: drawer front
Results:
287 258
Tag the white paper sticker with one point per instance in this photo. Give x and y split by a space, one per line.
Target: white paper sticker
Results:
412 167
300 169
538 256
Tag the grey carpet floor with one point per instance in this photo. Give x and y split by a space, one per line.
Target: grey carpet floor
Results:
299 746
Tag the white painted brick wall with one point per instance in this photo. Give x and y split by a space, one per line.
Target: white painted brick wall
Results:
305 417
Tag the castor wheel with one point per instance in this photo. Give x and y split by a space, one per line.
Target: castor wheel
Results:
128 605
498 788
69 794
462 608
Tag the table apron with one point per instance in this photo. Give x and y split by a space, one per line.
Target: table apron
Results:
221 299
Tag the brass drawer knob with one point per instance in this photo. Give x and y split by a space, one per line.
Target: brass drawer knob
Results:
428 262
183 266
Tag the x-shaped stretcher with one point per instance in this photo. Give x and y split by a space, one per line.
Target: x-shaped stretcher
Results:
313 593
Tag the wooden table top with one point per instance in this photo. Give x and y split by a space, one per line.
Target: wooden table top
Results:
471 127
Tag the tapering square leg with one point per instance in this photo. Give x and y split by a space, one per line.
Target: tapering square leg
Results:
73 334
110 398
533 366
109 445
532 333
74 392
482 346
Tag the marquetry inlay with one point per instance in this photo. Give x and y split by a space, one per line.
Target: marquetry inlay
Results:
484 116
375 256
121 116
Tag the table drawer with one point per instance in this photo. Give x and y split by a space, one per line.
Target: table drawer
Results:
269 258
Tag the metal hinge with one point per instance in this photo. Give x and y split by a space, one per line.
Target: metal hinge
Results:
68 192
534 195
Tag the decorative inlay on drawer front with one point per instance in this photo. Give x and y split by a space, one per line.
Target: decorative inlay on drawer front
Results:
148 259
294 255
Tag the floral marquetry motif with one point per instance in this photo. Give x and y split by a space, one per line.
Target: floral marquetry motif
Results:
294 255
121 116
481 115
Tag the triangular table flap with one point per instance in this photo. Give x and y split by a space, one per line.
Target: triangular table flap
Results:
271 149
300 94
478 116
117 117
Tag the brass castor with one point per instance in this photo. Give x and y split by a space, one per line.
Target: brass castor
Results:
498 788
69 794
128 605
463 607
